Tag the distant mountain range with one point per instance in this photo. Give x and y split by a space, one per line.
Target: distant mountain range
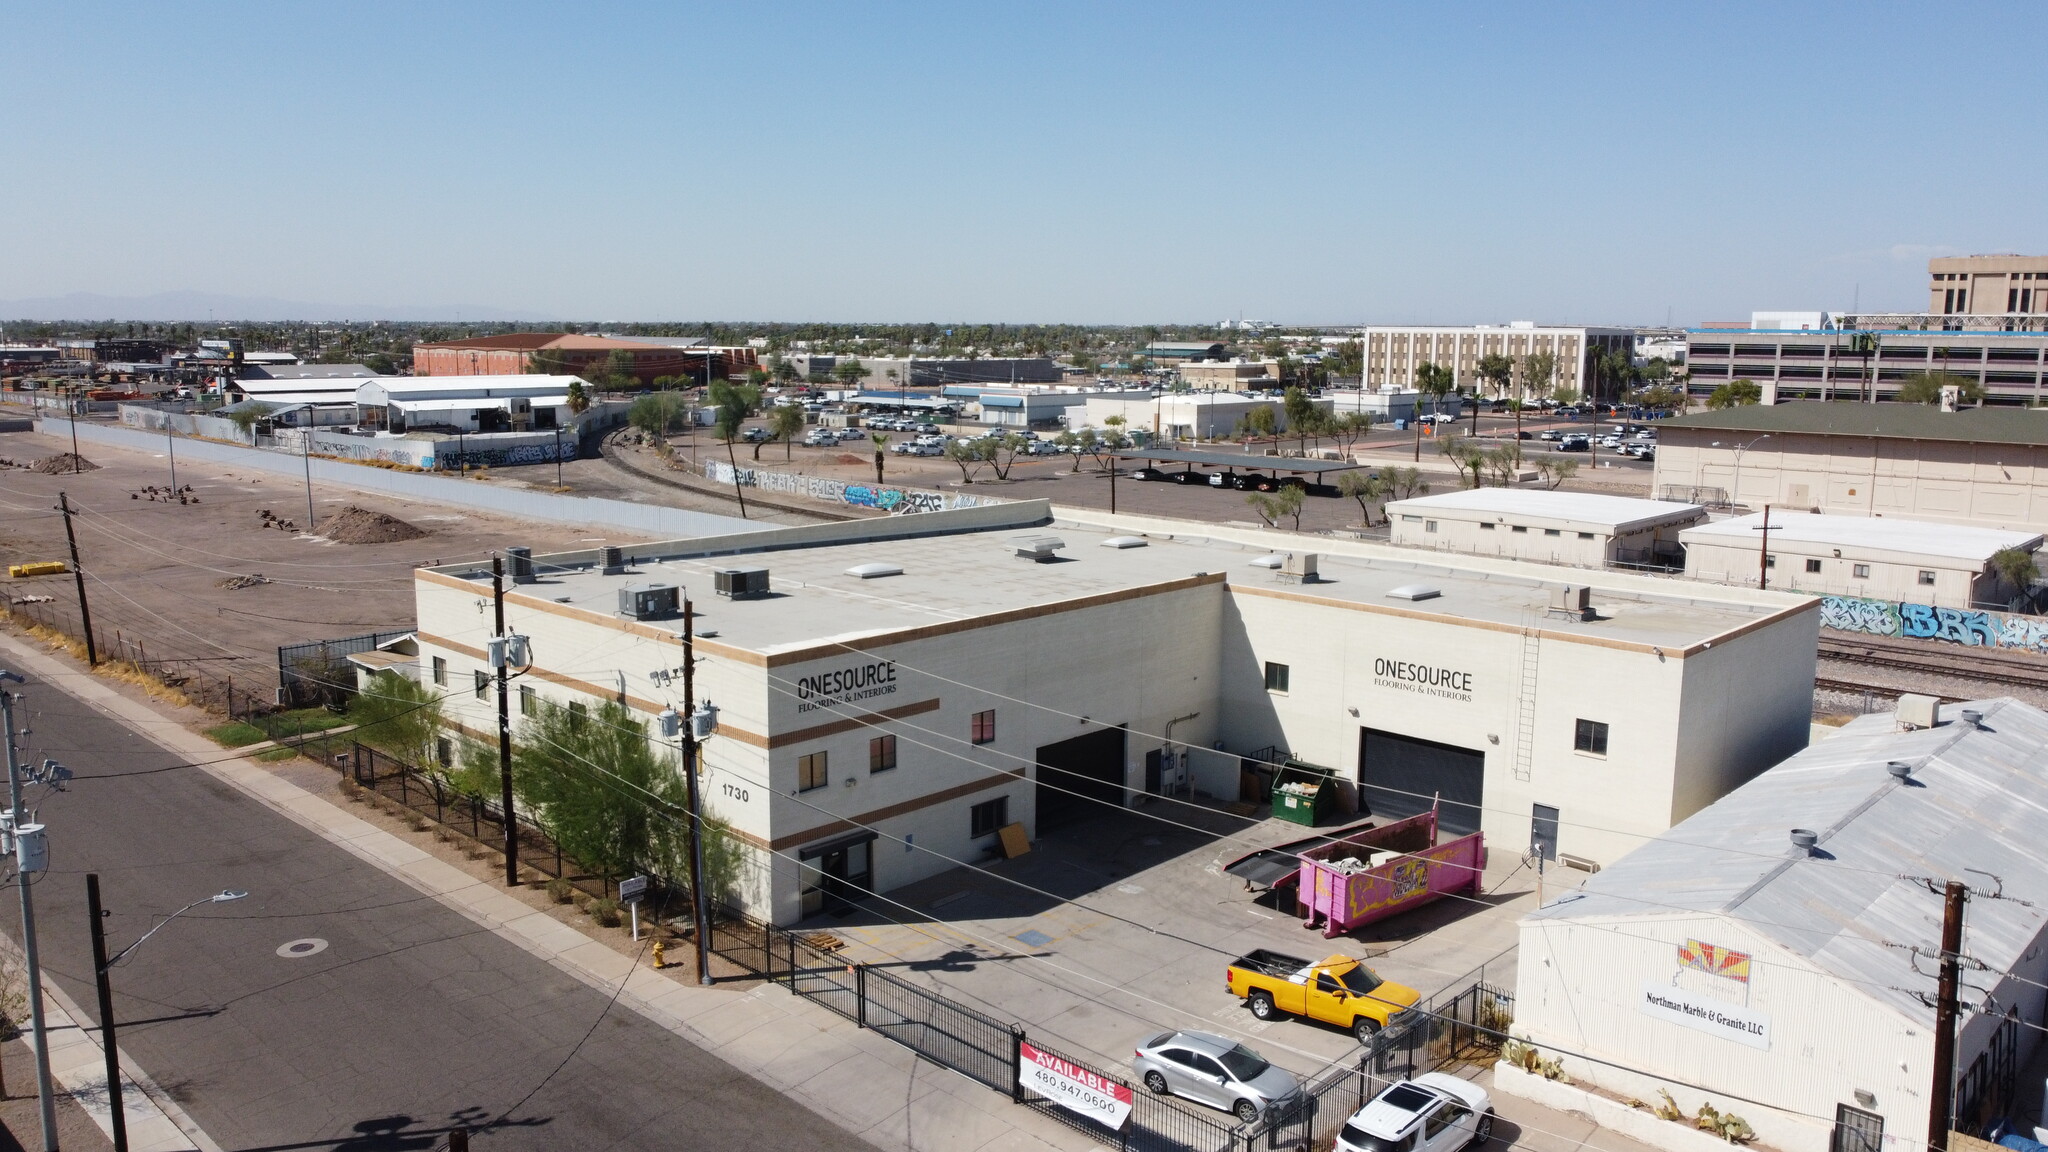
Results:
202 306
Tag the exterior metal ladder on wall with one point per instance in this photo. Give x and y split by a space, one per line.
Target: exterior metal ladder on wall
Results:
1525 706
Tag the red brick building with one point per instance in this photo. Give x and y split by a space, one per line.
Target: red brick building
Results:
571 354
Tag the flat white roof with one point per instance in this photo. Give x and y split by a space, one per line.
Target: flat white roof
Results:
950 574
458 403
522 384
1616 513
1866 534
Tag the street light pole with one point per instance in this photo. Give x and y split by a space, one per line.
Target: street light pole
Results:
101 963
46 1099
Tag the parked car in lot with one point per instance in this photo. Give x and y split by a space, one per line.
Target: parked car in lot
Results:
1431 1113
756 434
1213 1070
1575 444
1550 434
1150 473
1435 418
1337 989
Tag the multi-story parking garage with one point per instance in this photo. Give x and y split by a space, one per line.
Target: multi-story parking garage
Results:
910 686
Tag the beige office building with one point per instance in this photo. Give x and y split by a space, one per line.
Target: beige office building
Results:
1392 354
2007 285
1982 466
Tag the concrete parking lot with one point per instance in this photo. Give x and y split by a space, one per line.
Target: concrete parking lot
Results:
1120 925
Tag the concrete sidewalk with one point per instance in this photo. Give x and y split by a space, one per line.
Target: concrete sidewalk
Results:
852 1077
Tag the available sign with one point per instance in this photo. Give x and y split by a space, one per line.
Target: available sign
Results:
1714 1017
1073 1087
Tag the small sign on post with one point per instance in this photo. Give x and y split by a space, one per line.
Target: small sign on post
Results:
631 891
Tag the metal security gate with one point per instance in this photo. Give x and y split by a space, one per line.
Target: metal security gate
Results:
1400 776
1856 1131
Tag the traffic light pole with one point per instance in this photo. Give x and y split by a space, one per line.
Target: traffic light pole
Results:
44 1096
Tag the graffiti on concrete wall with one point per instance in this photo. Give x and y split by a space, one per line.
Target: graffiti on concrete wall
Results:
895 501
1927 622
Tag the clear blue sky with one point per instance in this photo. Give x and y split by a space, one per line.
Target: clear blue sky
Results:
1340 163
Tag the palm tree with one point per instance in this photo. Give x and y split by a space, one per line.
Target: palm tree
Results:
1433 381
881 443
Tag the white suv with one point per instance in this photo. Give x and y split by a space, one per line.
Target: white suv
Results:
1431 1113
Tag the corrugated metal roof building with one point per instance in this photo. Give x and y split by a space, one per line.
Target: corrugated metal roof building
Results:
1721 961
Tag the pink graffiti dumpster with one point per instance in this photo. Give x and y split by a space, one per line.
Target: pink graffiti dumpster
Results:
1384 870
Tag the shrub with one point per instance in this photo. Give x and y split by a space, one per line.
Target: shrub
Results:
561 891
605 912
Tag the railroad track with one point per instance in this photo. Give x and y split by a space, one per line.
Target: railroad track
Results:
1985 666
1851 688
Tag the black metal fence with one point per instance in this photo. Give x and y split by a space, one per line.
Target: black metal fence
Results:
1466 1024
318 671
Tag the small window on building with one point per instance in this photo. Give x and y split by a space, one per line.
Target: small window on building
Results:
1276 677
1407 519
810 771
1429 526
441 671
1553 532
1770 561
984 818
985 727
1927 578
1585 535
881 753
444 751
483 683
578 713
529 700
1813 565
1860 571
1519 528
1591 736
1488 525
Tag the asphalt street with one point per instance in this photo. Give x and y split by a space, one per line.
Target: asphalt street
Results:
404 1019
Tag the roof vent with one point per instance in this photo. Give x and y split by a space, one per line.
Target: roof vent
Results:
1299 568
1038 548
648 601
1899 769
871 571
1273 561
1124 542
611 559
1414 592
1972 718
1803 840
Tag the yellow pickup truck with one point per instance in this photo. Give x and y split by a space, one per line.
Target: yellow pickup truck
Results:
1337 989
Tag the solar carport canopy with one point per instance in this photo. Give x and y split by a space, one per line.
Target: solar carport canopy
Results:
1289 464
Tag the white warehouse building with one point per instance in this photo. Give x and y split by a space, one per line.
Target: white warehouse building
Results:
1762 954
1585 529
914 684
1877 557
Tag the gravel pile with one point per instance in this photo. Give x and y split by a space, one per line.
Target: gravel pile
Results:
353 525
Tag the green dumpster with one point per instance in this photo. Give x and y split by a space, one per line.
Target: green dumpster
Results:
1304 793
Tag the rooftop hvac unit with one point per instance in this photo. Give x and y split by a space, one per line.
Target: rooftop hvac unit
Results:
611 560
1038 548
1917 711
1571 601
649 601
738 583
1298 568
522 564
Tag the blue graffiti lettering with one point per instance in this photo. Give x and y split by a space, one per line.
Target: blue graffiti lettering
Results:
1917 622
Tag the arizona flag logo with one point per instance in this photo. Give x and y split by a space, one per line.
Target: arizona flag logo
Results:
1714 960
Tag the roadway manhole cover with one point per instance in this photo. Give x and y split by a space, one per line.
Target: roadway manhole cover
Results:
299 949
1032 938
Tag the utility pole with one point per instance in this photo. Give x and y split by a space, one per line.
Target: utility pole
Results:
700 912
1763 554
171 446
92 652
1941 1100
503 658
105 990
312 524
17 827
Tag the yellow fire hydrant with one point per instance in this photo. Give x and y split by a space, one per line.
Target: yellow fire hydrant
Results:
659 962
